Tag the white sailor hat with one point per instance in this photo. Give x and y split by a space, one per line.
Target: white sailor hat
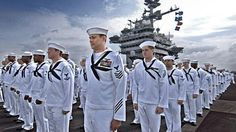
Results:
56 46
39 52
147 43
27 53
207 63
97 30
194 62
66 52
136 61
185 60
168 57
12 54
178 61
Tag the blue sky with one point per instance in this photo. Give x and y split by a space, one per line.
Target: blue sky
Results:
208 33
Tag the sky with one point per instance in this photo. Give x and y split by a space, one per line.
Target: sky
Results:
208 33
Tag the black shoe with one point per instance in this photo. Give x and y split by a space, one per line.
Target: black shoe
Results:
206 108
193 123
19 129
184 122
199 115
19 121
9 116
134 124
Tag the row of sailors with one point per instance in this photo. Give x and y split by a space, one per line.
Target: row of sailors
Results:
188 84
46 91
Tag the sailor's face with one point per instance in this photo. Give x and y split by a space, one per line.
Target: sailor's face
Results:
185 64
168 62
20 61
26 59
37 58
194 65
96 41
147 52
11 58
52 53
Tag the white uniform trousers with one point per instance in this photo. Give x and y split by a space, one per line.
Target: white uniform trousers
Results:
205 99
136 117
96 120
7 102
14 105
1 94
40 117
56 120
27 111
213 93
150 121
218 90
82 101
221 88
199 104
20 103
190 107
210 97
172 116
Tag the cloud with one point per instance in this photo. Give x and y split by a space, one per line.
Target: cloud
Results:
208 34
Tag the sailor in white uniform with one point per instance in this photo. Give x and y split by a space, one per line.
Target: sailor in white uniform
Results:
17 76
177 94
202 86
83 80
105 96
136 120
9 82
192 92
38 91
24 89
3 71
60 90
150 89
208 88
5 63
214 84
65 55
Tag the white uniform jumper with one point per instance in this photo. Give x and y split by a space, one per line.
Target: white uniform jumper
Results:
105 97
60 91
150 91
177 92
192 87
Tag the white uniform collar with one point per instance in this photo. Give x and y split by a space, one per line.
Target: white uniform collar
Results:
150 61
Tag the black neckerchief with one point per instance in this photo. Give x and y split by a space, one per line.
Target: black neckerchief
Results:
187 74
10 67
151 68
23 71
18 70
95 66
85 75
36 71
198 72
170 78
51 70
